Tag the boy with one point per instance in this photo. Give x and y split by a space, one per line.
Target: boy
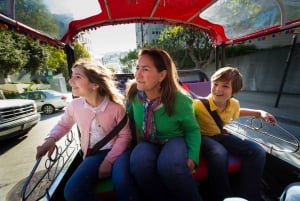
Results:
216 145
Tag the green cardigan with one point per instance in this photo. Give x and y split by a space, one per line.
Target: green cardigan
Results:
181 123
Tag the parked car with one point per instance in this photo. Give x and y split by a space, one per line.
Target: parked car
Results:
17 117
47 100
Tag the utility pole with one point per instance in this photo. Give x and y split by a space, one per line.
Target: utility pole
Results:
142 34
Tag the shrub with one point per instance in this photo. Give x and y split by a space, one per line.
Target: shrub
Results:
239 50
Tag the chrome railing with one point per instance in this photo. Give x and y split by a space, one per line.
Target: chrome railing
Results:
272 136
47 172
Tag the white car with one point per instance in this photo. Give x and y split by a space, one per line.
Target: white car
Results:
47 100
17 117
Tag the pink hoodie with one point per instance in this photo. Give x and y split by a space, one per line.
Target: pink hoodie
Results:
75 112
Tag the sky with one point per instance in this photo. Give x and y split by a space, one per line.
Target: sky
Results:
113 38
105 39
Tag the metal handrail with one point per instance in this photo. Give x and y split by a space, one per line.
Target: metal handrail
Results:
259 128
54 165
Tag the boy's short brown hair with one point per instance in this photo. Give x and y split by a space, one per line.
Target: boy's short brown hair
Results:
232 74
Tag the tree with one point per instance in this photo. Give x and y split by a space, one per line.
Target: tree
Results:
80 51
58 61
188 47
171 39
199 47
19 53
37 56
129 61
25 54
43 20
12 57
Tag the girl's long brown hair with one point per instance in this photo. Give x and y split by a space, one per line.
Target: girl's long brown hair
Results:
103 77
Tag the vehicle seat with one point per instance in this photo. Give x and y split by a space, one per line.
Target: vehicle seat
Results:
104 188
198 88
201 173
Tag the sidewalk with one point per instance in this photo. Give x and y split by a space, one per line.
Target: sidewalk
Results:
288 110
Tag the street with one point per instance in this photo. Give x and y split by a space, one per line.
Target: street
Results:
17 156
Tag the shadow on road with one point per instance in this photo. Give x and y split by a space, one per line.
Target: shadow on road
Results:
15 193
6 145
48 116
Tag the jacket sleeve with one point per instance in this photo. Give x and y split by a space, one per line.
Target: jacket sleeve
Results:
190 128
64 125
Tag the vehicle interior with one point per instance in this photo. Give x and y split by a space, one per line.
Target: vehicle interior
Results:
227 22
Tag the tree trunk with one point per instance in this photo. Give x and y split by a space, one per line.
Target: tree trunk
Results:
2 78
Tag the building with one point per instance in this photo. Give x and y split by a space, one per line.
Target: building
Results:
146 33
84 39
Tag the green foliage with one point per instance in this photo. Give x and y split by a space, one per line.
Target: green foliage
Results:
12 55
80 51
10 94
37 56
189 48
42 20
129 61
19 53
238 50
58 61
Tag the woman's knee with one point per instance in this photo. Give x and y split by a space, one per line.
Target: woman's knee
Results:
173 157
143 157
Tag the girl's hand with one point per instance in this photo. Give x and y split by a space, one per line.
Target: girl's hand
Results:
104 170
47 146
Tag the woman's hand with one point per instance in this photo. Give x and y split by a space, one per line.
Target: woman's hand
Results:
191 165
104 169
47 146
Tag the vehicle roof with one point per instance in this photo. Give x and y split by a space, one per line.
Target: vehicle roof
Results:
226 21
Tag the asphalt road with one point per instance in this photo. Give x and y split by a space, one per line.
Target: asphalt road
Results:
17 156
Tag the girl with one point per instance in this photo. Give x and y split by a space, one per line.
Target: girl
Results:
97 111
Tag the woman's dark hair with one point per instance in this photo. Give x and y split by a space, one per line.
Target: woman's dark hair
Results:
169 86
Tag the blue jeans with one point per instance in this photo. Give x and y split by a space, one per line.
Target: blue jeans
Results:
216 150
161 171
80 185
124 184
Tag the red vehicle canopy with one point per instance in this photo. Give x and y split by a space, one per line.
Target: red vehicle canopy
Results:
226 21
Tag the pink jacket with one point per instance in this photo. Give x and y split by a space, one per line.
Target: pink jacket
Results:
76 113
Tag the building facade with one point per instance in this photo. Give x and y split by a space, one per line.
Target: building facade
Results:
146 33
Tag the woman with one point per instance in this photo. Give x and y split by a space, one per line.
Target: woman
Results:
97 111
169 142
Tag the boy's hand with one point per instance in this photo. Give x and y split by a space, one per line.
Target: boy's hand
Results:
269 118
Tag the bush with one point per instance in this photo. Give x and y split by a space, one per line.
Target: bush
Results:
239 50
10 94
